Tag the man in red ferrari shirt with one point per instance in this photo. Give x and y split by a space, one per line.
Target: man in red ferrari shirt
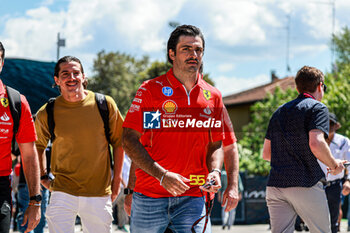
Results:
25 138
173 133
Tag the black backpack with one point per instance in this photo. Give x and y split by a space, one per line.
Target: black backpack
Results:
104 112
14 99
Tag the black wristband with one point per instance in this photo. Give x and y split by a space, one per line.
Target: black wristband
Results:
128 191
44 177
47 176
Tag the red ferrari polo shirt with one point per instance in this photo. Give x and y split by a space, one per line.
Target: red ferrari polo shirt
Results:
26 130
176 128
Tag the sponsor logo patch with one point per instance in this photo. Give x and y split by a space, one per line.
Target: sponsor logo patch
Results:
4 131
207 94
5 117
4 102
151 120
134 107
167 91
139 93
160 83
137 100
169 107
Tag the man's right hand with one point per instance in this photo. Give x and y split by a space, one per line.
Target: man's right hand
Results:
175 183
127 204
346 188
46 183
339 167
32 216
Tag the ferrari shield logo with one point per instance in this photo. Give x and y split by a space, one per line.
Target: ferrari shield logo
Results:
206 94
4 102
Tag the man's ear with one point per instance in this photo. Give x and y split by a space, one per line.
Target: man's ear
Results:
56 80
172 54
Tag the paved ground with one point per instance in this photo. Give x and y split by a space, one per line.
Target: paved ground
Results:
256 228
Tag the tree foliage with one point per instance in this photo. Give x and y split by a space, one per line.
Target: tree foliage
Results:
118 75
337 97
251 144
342 48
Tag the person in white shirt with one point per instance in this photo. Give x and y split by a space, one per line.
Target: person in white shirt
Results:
340 149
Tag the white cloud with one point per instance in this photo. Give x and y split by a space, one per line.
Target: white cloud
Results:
311 49
34 34
226 67
319 17
141 21
240 22
47 2
231 85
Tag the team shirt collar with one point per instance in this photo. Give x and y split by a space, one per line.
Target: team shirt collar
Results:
174 82
306 95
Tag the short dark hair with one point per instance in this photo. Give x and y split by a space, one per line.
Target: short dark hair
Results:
308 78
183 30
67 59
2 51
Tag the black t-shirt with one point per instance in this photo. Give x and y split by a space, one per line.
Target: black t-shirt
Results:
292 162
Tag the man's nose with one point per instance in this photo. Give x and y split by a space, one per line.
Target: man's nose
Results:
193 53
72 76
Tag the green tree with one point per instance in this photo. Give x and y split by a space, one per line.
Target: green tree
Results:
118 75
251 144
337 98
342 48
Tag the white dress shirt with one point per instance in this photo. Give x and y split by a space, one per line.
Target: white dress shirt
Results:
340 149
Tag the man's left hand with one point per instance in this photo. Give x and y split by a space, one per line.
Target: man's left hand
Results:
127 204
230 198
115 189
214 175
346 188
32 216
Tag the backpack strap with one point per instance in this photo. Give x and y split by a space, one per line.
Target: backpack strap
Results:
14 98
50 120
104 112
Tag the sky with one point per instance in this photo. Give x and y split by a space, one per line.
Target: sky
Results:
245 39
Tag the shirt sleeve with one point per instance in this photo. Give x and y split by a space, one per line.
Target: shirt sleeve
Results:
319 119
141 102
115 122
229 134
346 149
217 134
26 130
42 128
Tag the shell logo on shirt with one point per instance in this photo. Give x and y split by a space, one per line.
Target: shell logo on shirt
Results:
4 102
169 107
207 94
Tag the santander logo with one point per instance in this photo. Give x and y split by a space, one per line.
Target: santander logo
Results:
5 117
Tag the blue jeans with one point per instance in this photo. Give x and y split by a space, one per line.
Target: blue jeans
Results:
154 215
23 200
